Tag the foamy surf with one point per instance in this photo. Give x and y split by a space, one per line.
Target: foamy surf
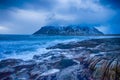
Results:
25 47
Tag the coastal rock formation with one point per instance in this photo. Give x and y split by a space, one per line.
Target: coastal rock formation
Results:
95 59
68 30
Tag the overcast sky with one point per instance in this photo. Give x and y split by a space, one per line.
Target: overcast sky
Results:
27 16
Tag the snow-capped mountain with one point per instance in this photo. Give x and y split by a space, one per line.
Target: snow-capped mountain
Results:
68 30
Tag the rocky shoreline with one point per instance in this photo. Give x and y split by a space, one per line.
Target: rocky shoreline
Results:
95 59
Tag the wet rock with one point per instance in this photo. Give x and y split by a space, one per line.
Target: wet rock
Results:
8 78
50 56
35 73
64 63
48 75
6 72
68 73
108 47
118 70
25 64
86 43
74 45
113 54
76 72
64 46
96 59
22 74
94 62
104 69
100 69
37 57
38 70
112 68
10 62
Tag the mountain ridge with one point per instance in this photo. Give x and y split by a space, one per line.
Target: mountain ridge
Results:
68 30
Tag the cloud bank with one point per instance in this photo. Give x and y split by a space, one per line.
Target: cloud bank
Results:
27 16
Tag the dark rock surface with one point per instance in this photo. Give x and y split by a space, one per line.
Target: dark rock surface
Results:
95 59
88 44
68 30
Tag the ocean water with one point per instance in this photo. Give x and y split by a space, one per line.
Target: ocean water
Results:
26 46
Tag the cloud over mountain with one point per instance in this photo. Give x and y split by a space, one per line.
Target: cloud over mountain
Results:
26 16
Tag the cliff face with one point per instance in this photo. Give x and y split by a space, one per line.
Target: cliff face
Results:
68 30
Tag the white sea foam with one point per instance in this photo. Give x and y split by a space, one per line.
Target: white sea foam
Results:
100 53
49 72
40 49
52 43
26 49
27 55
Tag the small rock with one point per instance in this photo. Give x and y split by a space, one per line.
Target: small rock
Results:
64 63
6 72
10 62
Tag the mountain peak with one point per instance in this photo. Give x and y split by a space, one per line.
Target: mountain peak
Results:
73 30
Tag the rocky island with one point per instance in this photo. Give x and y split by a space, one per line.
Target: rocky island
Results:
74 30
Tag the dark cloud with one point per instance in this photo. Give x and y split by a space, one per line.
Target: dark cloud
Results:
27 16
115 4
4 4
33 4
114 22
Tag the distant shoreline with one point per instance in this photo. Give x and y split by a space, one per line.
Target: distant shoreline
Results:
59 35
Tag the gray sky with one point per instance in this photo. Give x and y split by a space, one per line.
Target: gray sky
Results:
27 16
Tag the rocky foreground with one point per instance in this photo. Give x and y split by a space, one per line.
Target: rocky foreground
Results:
95 59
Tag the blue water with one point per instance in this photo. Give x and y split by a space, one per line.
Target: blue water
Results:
26 46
